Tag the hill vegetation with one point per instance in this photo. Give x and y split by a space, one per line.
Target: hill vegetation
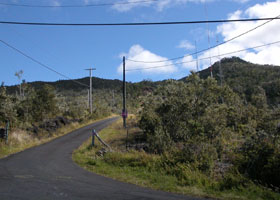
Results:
218 138
204 126
227 134
38 109
229 130
248 80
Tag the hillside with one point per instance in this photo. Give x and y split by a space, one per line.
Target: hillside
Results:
220 140
243 77
62 85
248 78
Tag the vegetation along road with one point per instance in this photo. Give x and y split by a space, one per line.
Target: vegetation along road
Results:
48 172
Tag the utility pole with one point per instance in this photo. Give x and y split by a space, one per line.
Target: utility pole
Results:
90 87
88 99
124 111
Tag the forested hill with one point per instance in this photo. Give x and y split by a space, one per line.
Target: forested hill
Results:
64 85
248 79
243 77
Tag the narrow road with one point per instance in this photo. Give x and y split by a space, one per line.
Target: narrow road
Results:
48 172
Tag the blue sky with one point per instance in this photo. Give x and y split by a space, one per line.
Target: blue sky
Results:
70 50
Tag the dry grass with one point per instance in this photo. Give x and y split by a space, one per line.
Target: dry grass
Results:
20 140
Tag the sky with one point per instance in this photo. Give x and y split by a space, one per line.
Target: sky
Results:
72 49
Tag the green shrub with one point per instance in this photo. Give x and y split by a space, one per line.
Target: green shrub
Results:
261 159
233 180
130 159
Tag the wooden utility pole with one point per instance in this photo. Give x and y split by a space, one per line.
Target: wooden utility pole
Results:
88 99
124 111
90 87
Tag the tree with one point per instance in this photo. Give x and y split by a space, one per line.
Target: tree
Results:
196 110
25 106
7 110
19 75
44 104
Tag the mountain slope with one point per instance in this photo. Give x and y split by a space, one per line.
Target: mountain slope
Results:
62 85
248 78
243 77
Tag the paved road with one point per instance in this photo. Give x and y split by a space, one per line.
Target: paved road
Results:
48 172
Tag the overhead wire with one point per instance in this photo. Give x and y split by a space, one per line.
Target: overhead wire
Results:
40 63
34 44
205 58
141 24
78 6
138 23
209 48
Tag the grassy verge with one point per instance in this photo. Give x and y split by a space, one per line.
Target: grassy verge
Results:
148 170
20 140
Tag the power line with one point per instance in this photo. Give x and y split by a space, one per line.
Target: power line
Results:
205 58
40 63
209 48
34 44
138 23
77 6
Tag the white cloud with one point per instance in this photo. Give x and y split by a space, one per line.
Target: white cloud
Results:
185 44
241 1
162 4
159 5
189 63
266 34
137 52
92 2
86 2
123 6
55 3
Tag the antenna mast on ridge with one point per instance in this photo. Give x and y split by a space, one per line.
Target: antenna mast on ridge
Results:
197 68
208 33
220 64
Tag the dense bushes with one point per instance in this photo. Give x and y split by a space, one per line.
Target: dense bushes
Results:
197 110
33 107
205 126
45 103
7 110
260 158
244 77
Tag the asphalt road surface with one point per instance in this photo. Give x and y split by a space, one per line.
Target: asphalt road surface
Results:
48 172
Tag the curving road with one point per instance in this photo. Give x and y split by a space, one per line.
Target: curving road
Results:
48 172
